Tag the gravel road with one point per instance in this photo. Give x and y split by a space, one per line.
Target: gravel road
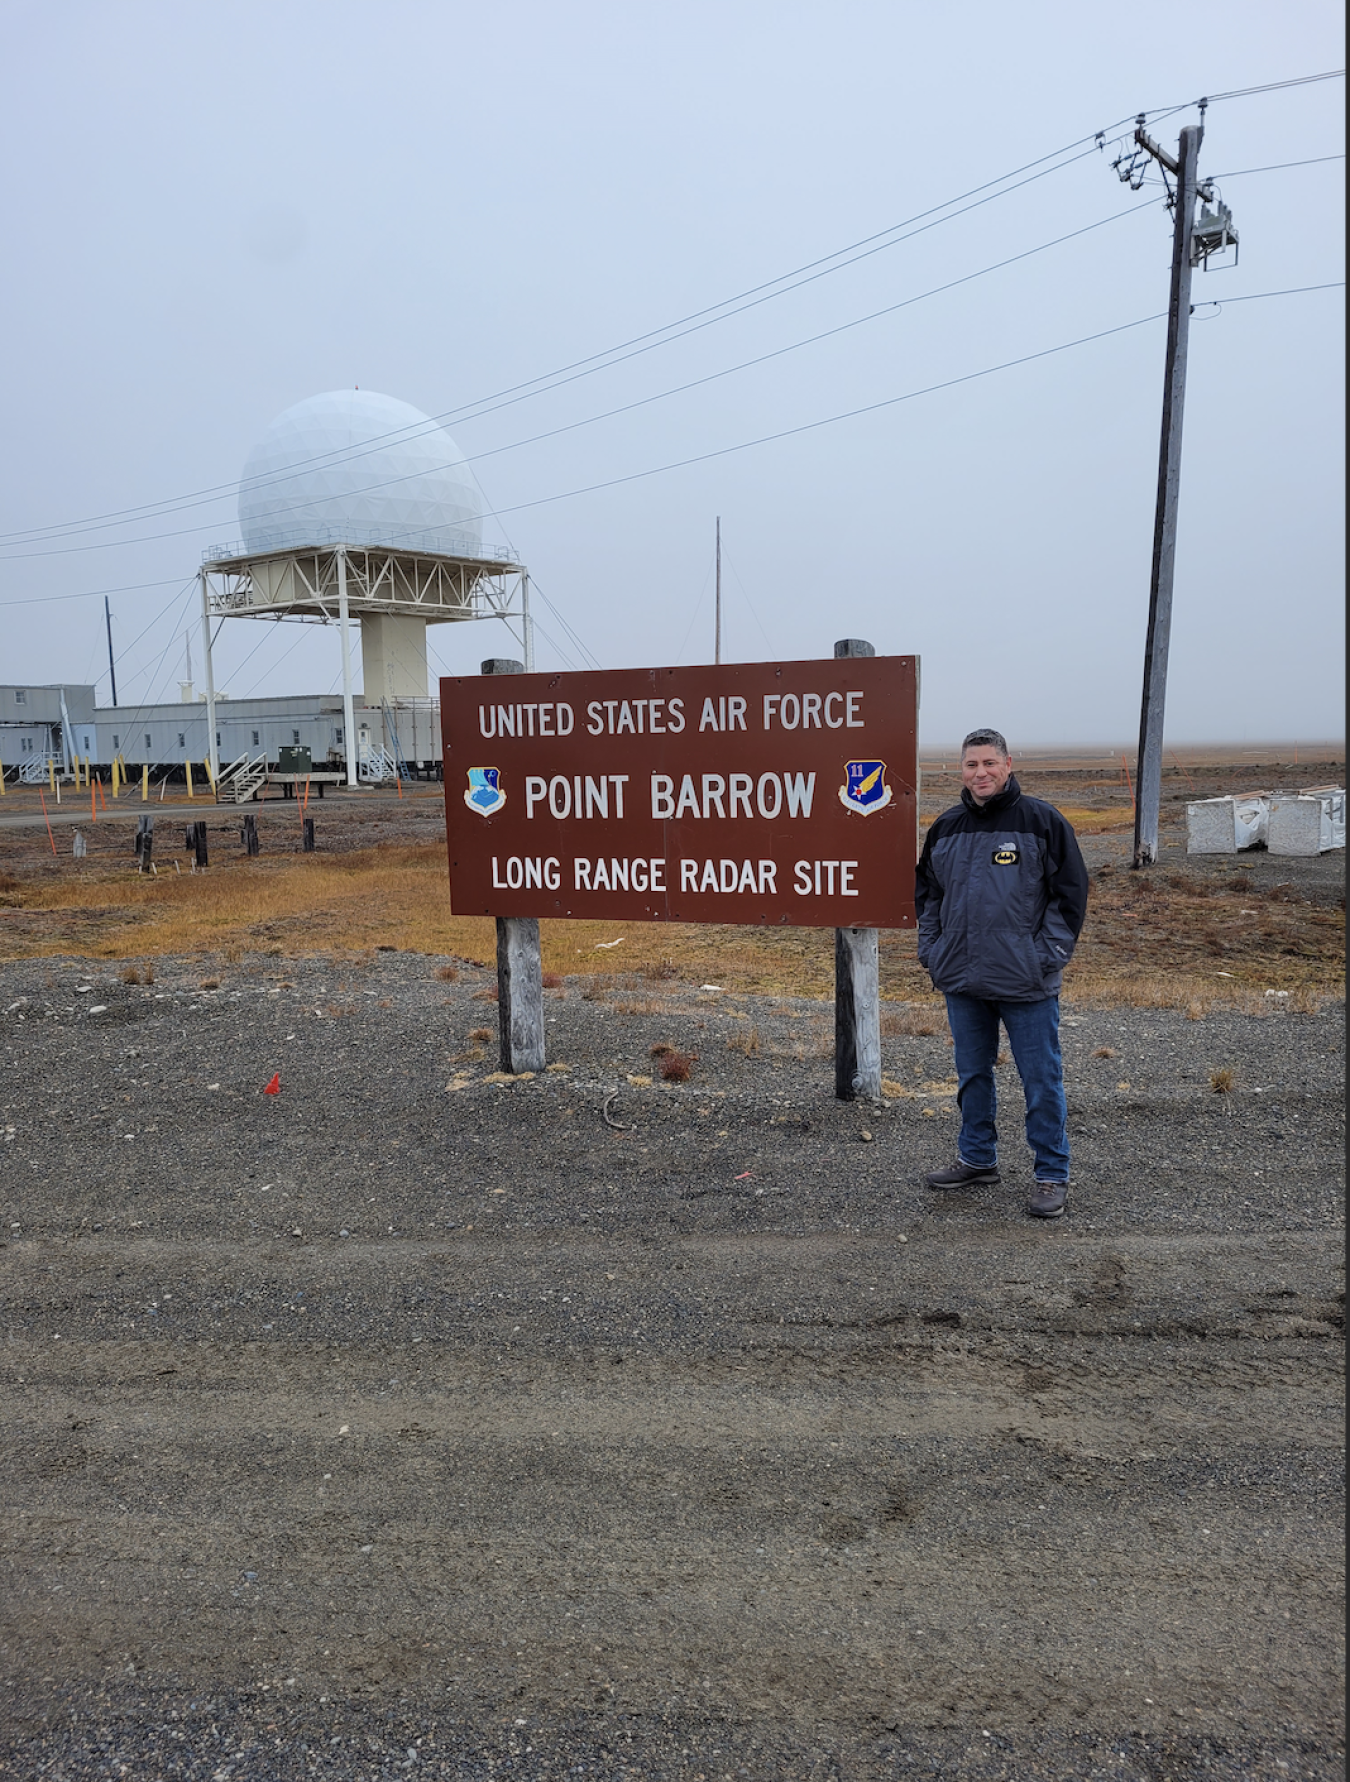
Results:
409 1422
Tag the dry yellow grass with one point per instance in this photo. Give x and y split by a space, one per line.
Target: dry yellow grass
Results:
397 897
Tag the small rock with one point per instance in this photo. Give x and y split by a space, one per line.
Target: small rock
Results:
866 1137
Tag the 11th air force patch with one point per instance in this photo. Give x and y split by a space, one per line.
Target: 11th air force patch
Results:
865 790
484 794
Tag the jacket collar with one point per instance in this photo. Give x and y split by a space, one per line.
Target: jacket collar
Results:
1001 801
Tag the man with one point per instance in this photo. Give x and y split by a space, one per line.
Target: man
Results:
1001 895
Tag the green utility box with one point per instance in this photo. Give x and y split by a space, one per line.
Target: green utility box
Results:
295 761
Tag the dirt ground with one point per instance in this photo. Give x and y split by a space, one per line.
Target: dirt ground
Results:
410 1421
413 1421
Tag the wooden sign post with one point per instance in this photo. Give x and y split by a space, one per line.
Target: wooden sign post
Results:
759 793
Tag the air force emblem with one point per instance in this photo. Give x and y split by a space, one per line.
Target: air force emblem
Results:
865 790
484 794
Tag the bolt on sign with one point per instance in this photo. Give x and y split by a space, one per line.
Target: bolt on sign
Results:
748 793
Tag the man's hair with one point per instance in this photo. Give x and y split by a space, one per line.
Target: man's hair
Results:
992 739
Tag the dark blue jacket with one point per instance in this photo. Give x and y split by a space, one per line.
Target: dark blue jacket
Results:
1001 895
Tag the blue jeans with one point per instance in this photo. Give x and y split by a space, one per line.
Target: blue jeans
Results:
1033 1032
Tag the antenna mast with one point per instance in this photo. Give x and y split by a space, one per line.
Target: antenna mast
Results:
112 670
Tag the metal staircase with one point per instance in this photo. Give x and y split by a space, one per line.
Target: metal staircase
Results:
239 783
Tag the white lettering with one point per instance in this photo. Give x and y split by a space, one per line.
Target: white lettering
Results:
853 721
506 720
581 875
620 780
801 872
560 796
485 727
735 713
594 722
534 874
847 868
688 798
772 781
768 878
688 875
790 704
553 873
626 718
832 699
740 787
709 719
531 710
676 716
709 879
597 797
658 874
747 881
801 789
655 725
565 712
497 883
639 875
515 873
810 710
713 787
663 797
770 701
601 881
546 720
536 789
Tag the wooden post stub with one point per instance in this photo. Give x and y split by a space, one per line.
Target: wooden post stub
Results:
307 828
853 646
857 1015
520 969
520 994
199 845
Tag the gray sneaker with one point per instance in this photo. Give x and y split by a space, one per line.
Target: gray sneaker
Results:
963 1175
1047 1200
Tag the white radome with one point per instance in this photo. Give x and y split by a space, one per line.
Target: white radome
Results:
353 467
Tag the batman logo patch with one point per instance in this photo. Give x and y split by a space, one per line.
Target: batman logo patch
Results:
1006 856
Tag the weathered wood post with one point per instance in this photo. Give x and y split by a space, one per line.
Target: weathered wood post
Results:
520 972
307 835
250 835
145 841
857 986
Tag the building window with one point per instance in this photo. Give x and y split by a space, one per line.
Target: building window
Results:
86 745
182 740
25 745
217 739
20 696
337 734
117 741
147 739
295 736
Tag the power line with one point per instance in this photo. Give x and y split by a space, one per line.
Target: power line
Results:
873 407
658 396
93 593
618 354
1277 167
1276 86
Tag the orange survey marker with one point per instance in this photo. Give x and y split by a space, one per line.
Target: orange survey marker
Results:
50 837
1125 774
274 1087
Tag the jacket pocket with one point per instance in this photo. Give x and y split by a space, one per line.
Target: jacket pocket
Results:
1008 968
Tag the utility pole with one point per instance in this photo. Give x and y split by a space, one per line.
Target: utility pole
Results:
717 623
1189 245
112 671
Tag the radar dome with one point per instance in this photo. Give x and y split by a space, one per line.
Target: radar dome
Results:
352 467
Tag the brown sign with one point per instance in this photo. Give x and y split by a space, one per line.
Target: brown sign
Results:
757 792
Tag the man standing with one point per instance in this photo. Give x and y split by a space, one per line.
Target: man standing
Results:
1001 896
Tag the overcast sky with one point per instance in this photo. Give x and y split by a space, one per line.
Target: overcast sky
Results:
211 213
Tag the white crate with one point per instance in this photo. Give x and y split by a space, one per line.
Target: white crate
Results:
1227 825
1307 822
